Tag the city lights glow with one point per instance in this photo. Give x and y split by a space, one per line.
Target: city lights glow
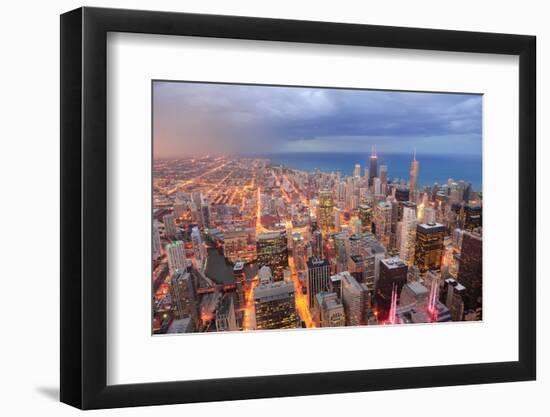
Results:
318 231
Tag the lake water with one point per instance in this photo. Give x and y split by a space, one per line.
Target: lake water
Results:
432 168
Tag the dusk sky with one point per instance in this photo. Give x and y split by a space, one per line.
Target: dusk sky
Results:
200 118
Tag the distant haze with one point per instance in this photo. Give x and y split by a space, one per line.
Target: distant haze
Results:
202 118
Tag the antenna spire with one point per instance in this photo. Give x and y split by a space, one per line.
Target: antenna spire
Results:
392 319
432 301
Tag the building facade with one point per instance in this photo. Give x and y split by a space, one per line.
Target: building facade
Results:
325 212
382 222
356 300
226 320
429 246
318 274
184 297
275 306
329 310
170 229
470 271
272 251
238 245
407 234
176 256
393 276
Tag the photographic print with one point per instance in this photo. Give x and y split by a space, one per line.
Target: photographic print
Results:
288 207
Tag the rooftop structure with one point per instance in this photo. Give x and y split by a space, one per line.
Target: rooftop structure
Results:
393 263
275 306
184 325
238 267
265 275
431 227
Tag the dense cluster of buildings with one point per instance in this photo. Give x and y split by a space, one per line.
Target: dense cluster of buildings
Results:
242 244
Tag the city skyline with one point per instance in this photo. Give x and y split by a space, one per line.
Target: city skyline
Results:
344 164
315 239
188 119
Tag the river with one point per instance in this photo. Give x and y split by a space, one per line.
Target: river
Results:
221 271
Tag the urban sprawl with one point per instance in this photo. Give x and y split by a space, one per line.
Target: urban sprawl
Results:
242 244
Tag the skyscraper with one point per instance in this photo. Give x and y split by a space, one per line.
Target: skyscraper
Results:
407 234
180 206
362 268
275 306
272 251
457 236
429 215
365 215
337 221
393 276
205 214
472 217
317 243
325 216
176 256
413 275
264 275
335 285
470 270
377 186
196 197
393 272
356 300
383 178
453 296
429 246
431 276
328 310
199 249
414 173
357 244
373 171
382 222
402 193
318 273
184 299
367 245
239 245
239 275
195 213
170 229
341 248
357 171
356 226
415 294
155 241
226 320
299 251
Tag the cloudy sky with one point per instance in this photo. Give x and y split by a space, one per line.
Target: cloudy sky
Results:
201 118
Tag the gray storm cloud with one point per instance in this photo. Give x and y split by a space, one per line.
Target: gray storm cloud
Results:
207 118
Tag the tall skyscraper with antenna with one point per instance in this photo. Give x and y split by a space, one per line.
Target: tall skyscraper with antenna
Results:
414 172
373 171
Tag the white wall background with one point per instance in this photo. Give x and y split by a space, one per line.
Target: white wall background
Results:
29 172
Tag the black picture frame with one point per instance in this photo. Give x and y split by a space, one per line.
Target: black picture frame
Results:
84 207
